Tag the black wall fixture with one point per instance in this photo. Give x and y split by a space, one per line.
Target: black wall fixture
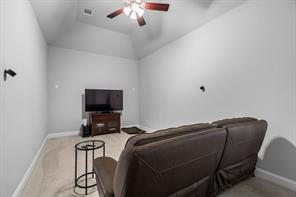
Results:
8 72
202 88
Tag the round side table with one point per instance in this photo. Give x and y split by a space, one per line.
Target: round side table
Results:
86 146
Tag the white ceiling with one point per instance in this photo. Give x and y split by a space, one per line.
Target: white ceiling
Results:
64 24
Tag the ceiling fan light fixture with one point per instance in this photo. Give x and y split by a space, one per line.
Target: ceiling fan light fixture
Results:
127 10
138 8
133 15
140 11
135 9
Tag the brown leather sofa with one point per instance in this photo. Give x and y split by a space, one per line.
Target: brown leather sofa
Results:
198 160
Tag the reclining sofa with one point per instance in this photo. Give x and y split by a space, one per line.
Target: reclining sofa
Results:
200 160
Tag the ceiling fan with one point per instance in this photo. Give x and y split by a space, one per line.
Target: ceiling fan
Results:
135 9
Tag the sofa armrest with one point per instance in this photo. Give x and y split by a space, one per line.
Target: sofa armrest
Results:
105 171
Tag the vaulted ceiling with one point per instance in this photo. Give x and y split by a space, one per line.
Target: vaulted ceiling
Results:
65 25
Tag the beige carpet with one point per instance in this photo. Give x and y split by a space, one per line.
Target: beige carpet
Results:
54 171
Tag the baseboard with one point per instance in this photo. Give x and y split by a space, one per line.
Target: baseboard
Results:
72 133
29 171
274 178
147 129
62 134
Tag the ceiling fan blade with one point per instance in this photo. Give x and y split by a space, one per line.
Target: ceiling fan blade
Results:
141 20
116 13
157 6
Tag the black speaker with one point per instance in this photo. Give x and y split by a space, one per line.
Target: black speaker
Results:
84 131
9 72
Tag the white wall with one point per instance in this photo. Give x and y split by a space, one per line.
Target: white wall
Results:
23 97
246 59
1 97
73 72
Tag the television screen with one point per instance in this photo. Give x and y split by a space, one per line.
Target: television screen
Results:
103 100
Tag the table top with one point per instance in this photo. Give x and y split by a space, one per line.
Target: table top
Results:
89 145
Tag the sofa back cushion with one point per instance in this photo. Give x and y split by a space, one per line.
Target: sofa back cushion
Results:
147 138
178 166
243 141
231 121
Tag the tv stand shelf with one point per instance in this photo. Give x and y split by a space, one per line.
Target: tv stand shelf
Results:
105 123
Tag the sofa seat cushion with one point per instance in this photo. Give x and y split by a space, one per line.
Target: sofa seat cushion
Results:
147 138
105 170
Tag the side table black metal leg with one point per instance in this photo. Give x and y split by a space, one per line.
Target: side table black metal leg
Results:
75 167
104 150
86 172
93 158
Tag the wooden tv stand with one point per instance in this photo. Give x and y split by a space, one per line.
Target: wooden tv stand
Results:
105 123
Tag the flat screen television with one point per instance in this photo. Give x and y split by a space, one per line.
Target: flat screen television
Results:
103 100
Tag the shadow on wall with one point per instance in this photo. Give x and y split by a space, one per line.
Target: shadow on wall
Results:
280 159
